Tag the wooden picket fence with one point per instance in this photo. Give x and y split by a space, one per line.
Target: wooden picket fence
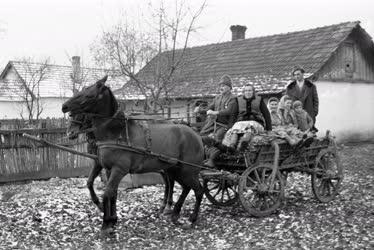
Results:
14 124
22 159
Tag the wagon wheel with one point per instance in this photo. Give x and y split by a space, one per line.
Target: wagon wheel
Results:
220 191
327 175
256 193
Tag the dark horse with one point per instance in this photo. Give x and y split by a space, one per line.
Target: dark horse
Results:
82 124
111 129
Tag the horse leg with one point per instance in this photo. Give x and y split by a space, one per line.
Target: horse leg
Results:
199 193
95 171
166 179
110 198
104 176
167 202
179 204
168 209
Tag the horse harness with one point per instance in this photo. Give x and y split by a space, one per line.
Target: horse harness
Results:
124 142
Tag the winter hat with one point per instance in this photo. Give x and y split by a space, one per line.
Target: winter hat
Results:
297 104
273 99
226 80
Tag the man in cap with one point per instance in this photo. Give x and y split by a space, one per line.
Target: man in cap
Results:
222 113
305 91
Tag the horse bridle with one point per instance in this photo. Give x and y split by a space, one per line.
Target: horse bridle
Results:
92 129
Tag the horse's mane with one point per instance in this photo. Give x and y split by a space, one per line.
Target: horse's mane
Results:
114 102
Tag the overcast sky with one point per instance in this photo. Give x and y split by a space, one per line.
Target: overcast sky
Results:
62 28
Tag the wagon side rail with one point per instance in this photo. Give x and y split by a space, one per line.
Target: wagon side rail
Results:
290 157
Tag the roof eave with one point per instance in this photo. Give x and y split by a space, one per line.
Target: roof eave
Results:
3 73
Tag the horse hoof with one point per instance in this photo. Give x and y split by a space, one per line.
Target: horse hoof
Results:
167 211
163 216
175 221
187 226
107 232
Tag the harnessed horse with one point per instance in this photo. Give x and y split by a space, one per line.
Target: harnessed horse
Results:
112 129
82 124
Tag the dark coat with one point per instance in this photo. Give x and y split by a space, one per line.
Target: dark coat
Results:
255 110
227 105
308 96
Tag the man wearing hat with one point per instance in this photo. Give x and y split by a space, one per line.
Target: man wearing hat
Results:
305 91
222 113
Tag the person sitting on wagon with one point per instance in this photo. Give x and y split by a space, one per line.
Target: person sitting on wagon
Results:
303 119
274 114
285 111
253 108
222 114
253 118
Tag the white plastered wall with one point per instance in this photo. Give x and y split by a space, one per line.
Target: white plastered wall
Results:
347 109
11 109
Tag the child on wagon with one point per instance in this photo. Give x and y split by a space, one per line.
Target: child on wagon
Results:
286 112
303 119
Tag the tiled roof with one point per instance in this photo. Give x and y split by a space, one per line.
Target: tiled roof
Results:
265 61
58 79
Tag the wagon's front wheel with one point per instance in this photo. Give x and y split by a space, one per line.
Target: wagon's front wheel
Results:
259 195
220 191
327 175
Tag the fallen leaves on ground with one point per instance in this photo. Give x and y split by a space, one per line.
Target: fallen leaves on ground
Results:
59 214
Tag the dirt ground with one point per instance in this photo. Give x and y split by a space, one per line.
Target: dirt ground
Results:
59 214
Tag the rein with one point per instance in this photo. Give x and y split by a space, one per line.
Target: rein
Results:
126 119
92 129
139 150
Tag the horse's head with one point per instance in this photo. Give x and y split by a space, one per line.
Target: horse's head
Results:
94 99
78 123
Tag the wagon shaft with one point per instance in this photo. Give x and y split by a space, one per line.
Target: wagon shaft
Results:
45 142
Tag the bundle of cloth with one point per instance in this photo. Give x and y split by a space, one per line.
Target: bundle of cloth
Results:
247 133
242 131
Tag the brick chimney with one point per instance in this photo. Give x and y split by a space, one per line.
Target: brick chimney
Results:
76 66
238 32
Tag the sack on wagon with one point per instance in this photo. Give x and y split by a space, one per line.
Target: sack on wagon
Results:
289 134
242 131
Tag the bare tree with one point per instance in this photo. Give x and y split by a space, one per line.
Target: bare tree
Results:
31 76
128 49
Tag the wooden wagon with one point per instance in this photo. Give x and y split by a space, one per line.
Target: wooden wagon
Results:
256 177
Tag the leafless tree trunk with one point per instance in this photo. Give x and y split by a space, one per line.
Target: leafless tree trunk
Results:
128 49
32 74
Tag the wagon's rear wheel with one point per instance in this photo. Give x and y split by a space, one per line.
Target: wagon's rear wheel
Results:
220 191
257 195
327 175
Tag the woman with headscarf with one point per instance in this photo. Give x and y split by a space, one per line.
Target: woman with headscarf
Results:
253 118
253 108
285 111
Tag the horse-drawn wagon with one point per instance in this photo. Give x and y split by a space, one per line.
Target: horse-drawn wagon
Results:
257 175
